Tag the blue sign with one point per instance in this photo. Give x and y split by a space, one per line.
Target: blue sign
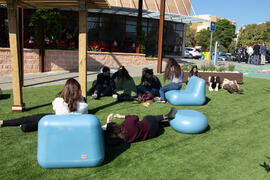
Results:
213 26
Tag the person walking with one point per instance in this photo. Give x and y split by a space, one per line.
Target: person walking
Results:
250 53
256 54
263 53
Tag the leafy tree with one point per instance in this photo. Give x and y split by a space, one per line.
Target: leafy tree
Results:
45 22
225 32
190 36
203 39
48 20
253 33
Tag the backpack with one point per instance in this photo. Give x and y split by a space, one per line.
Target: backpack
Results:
146 97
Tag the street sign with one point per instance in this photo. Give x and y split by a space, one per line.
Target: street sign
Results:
213 26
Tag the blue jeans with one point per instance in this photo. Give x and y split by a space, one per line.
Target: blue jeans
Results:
257 57
168 87
143 90
249 59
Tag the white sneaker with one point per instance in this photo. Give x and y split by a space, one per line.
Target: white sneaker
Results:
161 101
216 89
94 96
210 88
115 96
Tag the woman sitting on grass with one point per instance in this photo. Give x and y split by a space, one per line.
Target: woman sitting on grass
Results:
69 101
125 85
172 72
133 130
149 83
193 72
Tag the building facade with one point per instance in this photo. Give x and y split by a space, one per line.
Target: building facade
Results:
114 30
204 25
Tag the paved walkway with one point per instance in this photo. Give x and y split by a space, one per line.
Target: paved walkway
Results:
60 77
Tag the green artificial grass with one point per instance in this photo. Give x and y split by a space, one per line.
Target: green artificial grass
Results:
236 146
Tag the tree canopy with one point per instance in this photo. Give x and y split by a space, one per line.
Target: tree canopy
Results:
225 32
253 33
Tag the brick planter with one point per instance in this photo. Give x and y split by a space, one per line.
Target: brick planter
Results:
229 75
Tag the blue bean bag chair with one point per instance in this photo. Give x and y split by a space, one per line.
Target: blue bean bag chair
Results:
189 122
66 141
193 94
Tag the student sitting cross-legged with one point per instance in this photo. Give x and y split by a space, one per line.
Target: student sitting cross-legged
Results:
103 85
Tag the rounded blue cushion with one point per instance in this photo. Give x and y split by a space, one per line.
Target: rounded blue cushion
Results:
189 122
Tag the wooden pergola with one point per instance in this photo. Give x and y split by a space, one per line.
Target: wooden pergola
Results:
82 6
13 5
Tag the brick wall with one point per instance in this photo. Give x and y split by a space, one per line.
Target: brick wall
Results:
59 60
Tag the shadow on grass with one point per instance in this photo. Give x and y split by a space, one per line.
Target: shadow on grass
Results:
36 107
265 165
5 96
113 151
207 100
95 110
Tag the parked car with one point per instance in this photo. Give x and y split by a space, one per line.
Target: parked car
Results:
187 54
222 56
195 53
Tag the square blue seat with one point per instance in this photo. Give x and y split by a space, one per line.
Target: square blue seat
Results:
66 141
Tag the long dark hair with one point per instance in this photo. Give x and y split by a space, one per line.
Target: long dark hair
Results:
168 70
115 131
71 94
194 73
123 73
143 75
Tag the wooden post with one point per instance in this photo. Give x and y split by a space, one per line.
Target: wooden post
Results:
160 35
83 50
15 58
21 42
139 27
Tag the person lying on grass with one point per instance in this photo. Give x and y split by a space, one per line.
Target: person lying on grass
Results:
133 130
231 86
69 101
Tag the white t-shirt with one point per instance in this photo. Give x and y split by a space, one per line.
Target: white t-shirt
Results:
227 82
61 107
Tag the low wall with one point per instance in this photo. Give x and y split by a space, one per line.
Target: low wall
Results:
229 75
60 60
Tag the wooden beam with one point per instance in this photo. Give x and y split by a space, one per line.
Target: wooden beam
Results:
83 50
139 26
15 58
160 35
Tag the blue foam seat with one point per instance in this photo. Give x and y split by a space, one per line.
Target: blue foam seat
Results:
193 94
189 122
66 141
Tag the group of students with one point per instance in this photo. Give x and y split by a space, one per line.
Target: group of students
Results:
214 82
122 86
253 54
70 101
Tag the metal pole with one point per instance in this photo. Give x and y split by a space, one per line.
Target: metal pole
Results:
210 58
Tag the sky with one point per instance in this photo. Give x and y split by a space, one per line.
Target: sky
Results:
244 12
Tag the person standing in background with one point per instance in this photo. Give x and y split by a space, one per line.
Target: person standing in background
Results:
263 53
256 54
250 53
